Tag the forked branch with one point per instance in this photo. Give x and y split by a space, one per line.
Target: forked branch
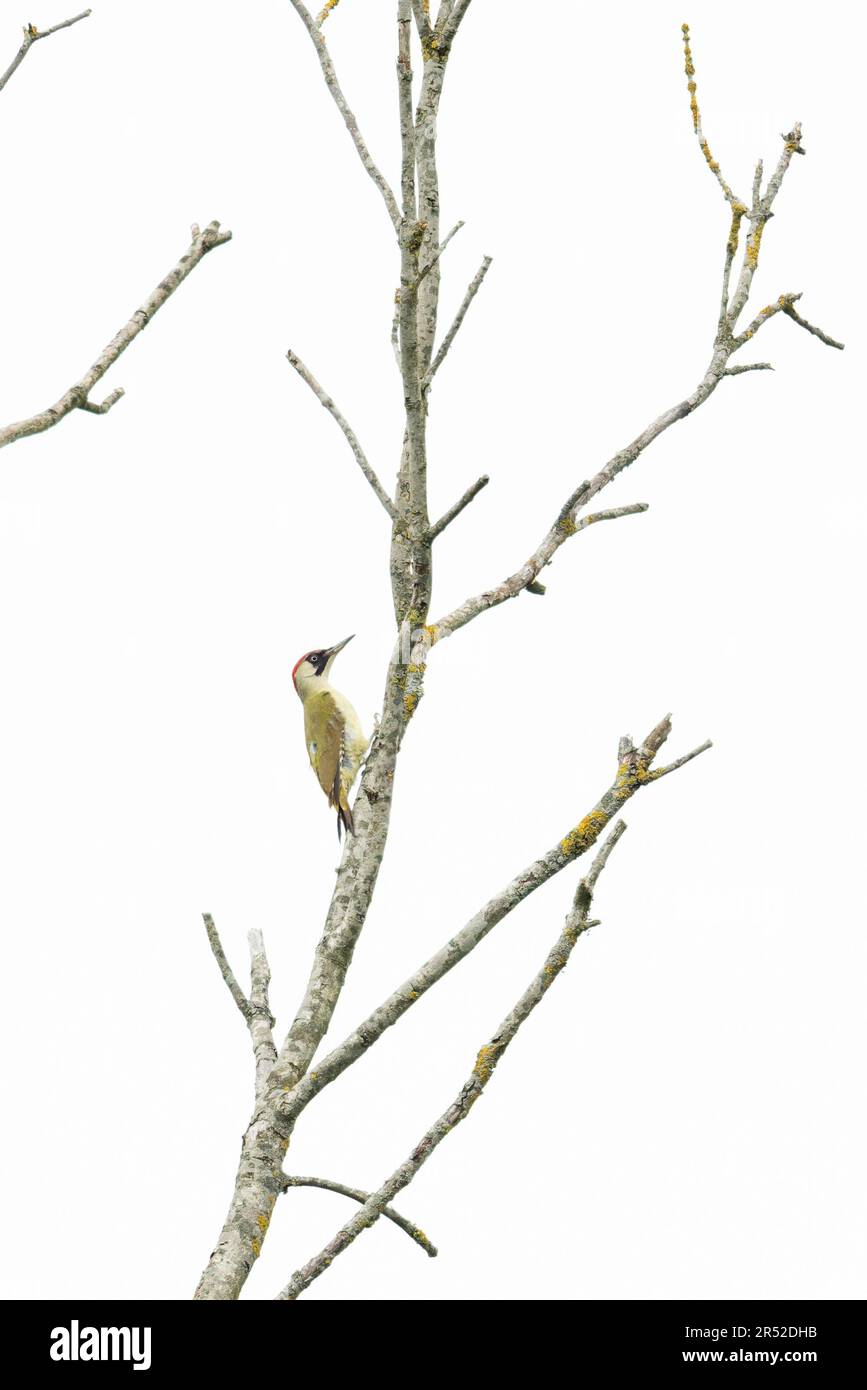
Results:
78 395
255 1011
33 35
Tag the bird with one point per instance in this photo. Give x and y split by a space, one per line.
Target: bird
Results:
336 744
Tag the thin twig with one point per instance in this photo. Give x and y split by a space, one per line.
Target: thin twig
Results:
226 971
658 772
76 398
426 270
449 516
488 1057
326 11
348 433
31 36
343 107
748 367
447 341
790 310
357 1195
612 514
712 163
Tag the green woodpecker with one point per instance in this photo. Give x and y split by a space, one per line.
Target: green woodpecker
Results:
335 742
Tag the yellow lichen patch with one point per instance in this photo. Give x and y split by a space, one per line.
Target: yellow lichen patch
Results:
567 524
485 1062
409 703
585 832
262 1222
326 10
754 243
256 1246
433 634
687 51
413 994
430 46
734 231
416 668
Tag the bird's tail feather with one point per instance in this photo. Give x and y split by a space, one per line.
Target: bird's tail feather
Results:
344 821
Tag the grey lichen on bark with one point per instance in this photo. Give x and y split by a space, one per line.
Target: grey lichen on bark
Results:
288 1079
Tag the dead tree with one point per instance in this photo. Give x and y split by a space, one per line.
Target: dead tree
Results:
286 1079
77 396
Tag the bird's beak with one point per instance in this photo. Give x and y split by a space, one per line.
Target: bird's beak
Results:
332 651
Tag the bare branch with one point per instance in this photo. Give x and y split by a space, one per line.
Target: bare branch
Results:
612 514
326 11
713 165
784 305
453 24
76 398
634 770
790 310
232 985
566 525
106 405
350 122
407 123
348 433
761 318
738 212
472 291
261 1022
421 10
488 1057
426 270
658 772
448 517
31 36
357 1195
748 367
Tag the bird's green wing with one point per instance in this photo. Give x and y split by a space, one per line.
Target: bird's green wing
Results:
323 729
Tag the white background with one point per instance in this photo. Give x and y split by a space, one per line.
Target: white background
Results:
685 1114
